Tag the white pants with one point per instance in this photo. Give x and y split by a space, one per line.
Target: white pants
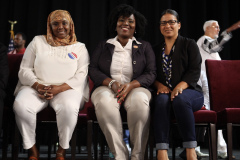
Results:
66 105
221 144
109 118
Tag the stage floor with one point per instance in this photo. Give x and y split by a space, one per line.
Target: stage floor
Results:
83 155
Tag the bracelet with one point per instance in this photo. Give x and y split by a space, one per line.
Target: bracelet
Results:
110 83
37 86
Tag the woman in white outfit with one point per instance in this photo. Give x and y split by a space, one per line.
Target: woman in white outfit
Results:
54 70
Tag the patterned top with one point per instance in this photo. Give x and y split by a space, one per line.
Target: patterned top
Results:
167 66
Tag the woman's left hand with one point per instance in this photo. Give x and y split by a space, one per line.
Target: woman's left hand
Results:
123 91
54 90
44 93
178 89
176 92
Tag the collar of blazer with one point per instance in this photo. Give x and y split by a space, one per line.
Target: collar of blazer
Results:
135 47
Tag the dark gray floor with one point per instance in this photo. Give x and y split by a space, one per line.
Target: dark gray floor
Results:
83 155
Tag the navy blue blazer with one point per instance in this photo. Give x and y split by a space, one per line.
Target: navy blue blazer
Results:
186 63
143 61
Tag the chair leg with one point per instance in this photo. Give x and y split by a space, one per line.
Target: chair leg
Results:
172 129
213 142
95 140
15 148
49 147
146 151
173 151
102 145
229 140
51 140
210 151
89 139
73 145
151 146
5 142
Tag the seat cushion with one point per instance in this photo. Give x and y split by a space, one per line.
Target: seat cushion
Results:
205 116
47 114
91 113
82 119
229 115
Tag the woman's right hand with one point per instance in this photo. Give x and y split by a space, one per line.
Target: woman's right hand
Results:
115 86
41 89
161 88
43 92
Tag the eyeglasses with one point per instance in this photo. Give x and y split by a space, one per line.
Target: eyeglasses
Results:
170 22
217 27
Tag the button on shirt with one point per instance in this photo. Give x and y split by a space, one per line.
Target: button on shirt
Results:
121 68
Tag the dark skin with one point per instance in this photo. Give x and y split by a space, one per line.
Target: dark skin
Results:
125 29
19 42
60 29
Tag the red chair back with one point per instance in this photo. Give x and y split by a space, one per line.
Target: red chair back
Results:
14 61
224 83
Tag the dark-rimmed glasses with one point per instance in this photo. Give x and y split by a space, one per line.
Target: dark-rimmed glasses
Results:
170 22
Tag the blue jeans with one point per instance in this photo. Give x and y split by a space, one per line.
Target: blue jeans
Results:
183 107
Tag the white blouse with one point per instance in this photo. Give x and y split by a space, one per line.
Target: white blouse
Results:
121 67
50 65
203 82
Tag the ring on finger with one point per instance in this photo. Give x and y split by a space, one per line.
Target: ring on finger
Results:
45 94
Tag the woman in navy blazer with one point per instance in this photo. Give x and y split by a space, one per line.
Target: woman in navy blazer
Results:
122 69
178 70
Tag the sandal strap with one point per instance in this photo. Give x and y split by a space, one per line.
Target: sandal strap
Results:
32 157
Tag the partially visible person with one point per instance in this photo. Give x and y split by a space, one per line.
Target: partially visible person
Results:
122 69
4 72
53 71
208 43
178 70
221 144
19 44
209 48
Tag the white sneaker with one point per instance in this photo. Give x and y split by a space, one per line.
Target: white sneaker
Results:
129 148
222 155
200 154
